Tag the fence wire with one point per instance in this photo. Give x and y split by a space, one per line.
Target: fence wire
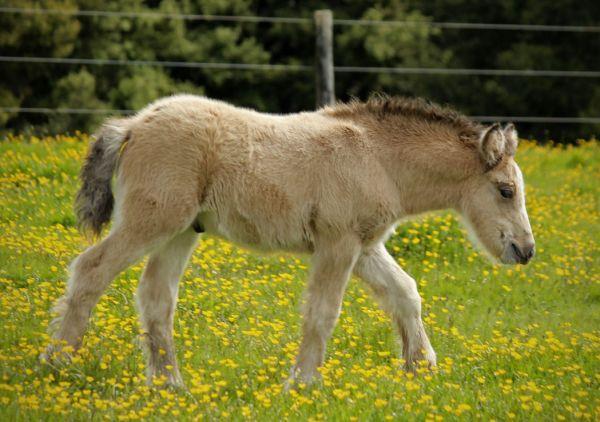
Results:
300 67
295 68
299 20
161 63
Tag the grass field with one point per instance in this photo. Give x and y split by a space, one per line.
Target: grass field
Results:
512 342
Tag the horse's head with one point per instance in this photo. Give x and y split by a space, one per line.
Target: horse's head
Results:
494 199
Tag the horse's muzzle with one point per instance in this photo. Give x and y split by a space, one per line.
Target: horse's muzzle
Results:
524 253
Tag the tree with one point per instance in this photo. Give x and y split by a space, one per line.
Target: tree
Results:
415 45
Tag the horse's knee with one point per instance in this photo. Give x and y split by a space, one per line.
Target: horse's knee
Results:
401 300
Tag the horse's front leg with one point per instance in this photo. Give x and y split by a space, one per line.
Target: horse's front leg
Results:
397 293
332 265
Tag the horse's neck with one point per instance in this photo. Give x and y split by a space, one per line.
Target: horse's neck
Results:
420 194
430 168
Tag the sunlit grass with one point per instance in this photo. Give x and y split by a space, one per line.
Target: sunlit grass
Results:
512 342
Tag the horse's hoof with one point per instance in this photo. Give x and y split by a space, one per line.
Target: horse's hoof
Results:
424 359
171 382
56 355
299 379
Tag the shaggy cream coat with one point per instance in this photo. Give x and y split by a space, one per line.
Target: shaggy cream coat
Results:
332 183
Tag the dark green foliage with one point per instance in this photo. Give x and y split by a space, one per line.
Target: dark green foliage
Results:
418 45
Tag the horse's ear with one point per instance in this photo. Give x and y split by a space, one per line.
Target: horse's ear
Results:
512 139
492 145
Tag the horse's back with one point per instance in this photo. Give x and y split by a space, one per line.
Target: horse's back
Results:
260 179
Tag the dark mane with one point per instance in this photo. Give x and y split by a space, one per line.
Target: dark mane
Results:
383 106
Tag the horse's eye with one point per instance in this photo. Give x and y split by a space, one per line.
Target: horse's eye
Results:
506 192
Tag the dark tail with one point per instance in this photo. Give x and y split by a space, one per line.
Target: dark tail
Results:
94 202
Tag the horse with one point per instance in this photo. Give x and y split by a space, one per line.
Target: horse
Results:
332 183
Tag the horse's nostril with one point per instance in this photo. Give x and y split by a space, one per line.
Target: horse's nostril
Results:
529 251
523 254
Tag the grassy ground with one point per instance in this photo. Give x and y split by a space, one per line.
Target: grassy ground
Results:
512 342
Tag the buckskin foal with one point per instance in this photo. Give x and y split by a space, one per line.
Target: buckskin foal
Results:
333 183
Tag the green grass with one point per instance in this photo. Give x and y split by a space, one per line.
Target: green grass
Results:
512 342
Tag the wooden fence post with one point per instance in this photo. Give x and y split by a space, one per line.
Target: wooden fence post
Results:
324 57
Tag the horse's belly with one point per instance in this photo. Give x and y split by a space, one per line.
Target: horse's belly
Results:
256 233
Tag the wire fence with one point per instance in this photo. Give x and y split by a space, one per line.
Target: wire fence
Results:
295 68
297 20
160 63
300 67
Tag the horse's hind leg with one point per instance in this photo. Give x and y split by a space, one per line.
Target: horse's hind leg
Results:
91 273
143 225
157 298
